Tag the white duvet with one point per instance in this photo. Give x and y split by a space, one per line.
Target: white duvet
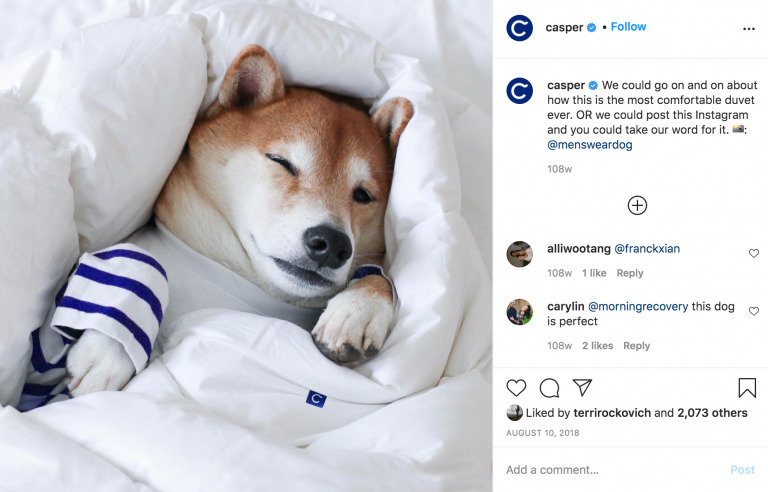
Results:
91 124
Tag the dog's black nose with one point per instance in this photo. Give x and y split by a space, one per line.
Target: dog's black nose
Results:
327 246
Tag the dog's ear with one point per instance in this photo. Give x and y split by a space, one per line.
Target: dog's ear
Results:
392 117
251 80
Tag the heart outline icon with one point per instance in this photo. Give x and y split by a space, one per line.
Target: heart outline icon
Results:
754 252
517 384
754 310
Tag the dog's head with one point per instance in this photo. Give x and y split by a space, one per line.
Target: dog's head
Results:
301 176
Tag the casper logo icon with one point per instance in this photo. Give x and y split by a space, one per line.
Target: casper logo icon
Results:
316 399
519 28
519 90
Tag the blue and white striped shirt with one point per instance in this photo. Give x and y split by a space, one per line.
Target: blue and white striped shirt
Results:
121 291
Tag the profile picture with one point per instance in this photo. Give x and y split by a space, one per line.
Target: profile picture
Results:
519 312
519 254
514 413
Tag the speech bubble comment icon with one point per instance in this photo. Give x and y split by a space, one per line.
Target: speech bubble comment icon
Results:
550 388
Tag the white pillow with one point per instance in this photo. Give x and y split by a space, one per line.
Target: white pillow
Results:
38 239
129 95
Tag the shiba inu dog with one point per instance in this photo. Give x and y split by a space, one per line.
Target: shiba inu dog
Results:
287 187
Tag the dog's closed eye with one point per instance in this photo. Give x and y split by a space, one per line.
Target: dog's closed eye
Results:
284 162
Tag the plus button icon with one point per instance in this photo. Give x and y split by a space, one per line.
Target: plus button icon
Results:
637 205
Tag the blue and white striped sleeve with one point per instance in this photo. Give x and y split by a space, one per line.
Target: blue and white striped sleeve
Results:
121 291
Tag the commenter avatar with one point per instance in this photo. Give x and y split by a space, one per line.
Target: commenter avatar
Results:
519 312
519 254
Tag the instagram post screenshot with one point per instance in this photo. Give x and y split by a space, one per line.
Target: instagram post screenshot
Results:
396 246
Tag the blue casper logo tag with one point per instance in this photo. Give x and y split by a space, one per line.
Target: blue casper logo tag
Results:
316 399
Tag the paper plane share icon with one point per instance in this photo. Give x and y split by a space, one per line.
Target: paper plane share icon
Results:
583 385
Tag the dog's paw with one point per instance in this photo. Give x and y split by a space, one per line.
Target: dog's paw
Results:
353 326
97 362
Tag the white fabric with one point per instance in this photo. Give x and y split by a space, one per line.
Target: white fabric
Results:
38 239
224 408
199 283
